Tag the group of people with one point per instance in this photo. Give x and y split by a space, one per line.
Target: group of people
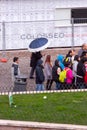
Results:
75 65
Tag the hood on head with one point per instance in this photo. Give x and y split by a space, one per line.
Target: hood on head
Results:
56 62
60 58
84 59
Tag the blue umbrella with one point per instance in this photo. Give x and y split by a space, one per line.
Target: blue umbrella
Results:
38 44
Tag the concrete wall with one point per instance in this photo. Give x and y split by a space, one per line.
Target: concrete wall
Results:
21 125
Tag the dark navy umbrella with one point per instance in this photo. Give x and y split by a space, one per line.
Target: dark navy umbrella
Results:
38 44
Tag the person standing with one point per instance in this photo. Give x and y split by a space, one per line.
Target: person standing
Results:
48 72
83 49
85 76
74 68
55 74
70 56
15 68
81 72
35 56
39 76
69 75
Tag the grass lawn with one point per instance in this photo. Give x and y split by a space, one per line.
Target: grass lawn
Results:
69 107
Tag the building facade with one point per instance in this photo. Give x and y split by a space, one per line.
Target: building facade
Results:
21 21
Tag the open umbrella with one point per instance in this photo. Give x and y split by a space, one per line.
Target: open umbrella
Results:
38 44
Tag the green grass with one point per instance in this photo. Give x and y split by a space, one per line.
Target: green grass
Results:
65 108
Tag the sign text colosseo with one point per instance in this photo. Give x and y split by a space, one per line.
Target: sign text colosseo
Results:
19 35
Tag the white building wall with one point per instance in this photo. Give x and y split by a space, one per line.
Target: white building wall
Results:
26 20
26 10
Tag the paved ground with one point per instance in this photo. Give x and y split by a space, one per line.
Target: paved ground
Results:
24 61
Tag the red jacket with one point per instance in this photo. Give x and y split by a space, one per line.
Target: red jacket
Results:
85 77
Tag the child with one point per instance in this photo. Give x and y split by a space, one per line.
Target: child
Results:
39 76
15 68
69 75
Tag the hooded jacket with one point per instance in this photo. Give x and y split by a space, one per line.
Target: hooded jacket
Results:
34 58
39 72
81 70
55 76
60 58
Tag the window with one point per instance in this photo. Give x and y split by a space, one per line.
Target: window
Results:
79 15
63 16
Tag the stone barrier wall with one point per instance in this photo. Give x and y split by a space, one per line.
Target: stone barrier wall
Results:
21 125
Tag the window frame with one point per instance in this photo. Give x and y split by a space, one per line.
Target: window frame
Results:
62 22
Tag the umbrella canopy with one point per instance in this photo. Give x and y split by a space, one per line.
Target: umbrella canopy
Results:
38 44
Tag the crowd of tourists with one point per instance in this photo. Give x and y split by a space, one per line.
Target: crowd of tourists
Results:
68 72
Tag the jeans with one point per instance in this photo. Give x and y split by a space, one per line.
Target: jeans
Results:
39 87
57 85
49 84
81 85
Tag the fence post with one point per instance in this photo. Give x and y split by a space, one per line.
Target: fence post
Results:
72 22
4 43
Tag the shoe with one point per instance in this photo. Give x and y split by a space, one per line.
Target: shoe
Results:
31 77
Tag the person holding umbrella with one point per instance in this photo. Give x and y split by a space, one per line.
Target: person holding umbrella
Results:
35 56
35 47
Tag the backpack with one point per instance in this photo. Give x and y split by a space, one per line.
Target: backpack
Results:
62 75
67 60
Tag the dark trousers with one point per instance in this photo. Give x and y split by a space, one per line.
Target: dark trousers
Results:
49 84
32 71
